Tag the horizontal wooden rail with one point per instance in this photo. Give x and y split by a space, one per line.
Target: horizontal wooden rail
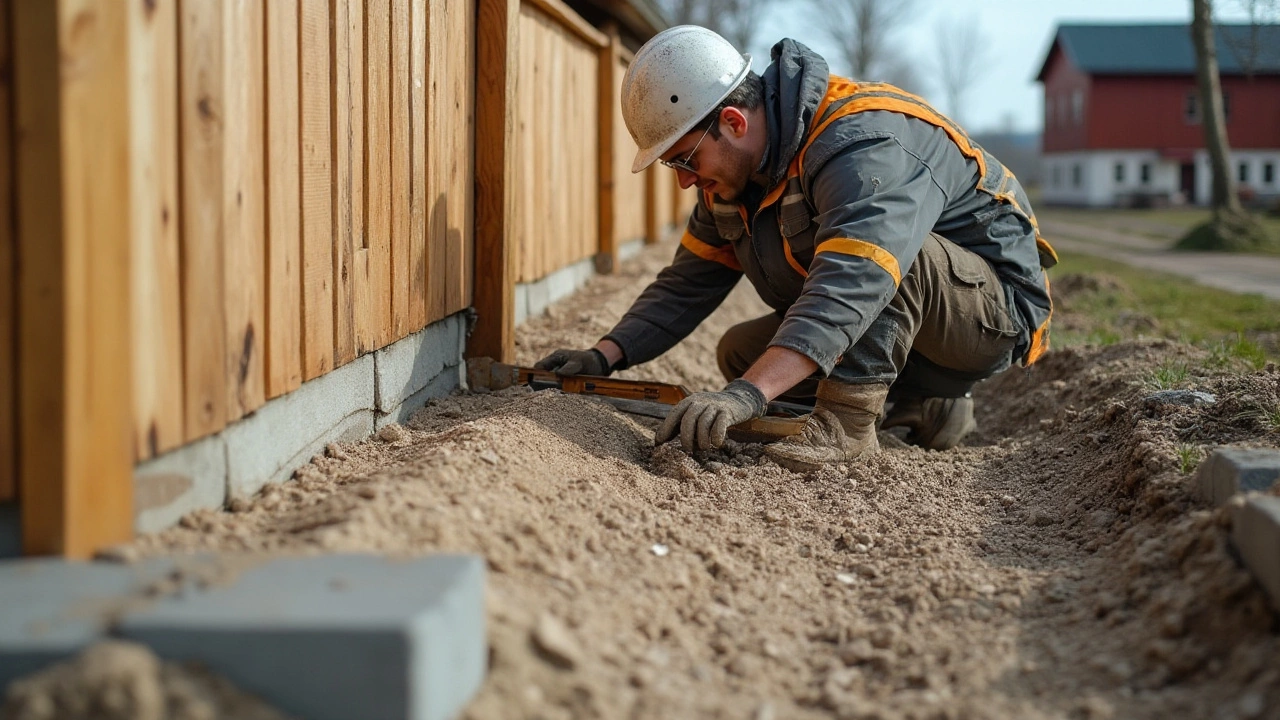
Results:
572 20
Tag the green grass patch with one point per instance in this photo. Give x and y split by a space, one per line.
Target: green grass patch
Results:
1128 302
1161 223
1168 376
1188 458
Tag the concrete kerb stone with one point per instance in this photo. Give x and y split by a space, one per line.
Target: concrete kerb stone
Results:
192 477
339 636
53 608
407 366
288 431
1228 471
1255 533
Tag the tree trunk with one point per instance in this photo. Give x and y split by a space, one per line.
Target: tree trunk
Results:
1211 115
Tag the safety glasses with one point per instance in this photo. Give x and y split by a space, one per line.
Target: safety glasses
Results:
687 163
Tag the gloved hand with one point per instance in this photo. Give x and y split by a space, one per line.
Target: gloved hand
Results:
575 362
704 418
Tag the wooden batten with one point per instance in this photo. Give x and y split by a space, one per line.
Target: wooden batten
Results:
8 274
607 256
73 159
495 257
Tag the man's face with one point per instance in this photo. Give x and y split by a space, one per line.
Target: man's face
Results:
722 167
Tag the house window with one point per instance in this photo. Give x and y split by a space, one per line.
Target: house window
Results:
1145 173
1119 173
1269 173
1057 176
1077 106
1075 175
1244 172
1191 108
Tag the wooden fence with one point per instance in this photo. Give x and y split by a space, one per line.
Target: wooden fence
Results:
218 200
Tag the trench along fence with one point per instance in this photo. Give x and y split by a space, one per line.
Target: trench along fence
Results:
206 203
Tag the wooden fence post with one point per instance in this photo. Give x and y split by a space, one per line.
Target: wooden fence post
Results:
607 257
497 53
72 85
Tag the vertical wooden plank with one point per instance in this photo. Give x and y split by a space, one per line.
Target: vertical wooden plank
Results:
317 215
401 162
284 201
652 223
8 274
244 190
201 111
73 194
378 169
496 98
607 255
438 62
157 301
462 36
348 167
418 171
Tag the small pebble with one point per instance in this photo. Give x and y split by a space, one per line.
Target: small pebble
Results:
660 550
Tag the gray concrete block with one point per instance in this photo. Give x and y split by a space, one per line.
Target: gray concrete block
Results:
190 478
51 609
407 366
1255 532
339 636
1228 471
288 431
630 249
441 385
539 297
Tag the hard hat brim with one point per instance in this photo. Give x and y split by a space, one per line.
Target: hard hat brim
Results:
648 156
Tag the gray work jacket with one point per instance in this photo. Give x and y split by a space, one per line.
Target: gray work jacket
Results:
858 174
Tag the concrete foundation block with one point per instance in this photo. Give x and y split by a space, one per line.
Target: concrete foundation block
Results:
539 297
1255 533
1228 471
335 637
409 365
522 303
630 249
440 386
192 477
52 609
288 431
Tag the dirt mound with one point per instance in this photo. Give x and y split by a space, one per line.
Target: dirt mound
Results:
1057 566
117 680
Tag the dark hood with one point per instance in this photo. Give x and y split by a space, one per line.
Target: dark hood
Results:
794 85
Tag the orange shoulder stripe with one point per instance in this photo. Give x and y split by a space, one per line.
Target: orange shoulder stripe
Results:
723 255
862 248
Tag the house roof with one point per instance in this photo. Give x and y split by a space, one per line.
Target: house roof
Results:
1163 49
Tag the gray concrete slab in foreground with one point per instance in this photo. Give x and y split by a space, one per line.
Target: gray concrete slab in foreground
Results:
51 609
1228 471
1255 532
339 636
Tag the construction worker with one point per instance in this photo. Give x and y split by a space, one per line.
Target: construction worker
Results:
902 261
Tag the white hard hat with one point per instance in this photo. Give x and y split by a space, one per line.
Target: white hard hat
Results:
675 80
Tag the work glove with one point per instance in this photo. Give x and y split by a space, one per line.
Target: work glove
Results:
704 418
575 362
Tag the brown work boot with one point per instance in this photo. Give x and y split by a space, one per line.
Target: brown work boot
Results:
841 428
933 423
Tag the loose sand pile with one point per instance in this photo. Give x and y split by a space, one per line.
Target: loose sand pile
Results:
116 680
1054 567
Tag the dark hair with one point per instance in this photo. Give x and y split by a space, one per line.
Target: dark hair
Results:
749 95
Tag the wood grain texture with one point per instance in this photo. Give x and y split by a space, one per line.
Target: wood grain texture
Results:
317 210
607 255
348 172
74 238
157 291
243 206
284 200
418 268
401 164
377 323
461 169
201 109
495 217
8 272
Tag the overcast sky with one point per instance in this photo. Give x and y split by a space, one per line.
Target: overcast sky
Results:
1006 93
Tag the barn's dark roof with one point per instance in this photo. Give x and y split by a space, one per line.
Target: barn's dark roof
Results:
1164 49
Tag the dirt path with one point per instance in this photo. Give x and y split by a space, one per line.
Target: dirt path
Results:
1226 271
1055 567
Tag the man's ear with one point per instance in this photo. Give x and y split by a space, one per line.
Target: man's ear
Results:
736 120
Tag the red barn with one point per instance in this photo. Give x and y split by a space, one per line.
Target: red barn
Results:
1122 114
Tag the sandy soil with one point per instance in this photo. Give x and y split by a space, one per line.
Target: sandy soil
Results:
1055 566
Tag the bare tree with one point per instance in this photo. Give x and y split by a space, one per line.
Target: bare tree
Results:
1252 46
862 31
962 57
1231 227
735 20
